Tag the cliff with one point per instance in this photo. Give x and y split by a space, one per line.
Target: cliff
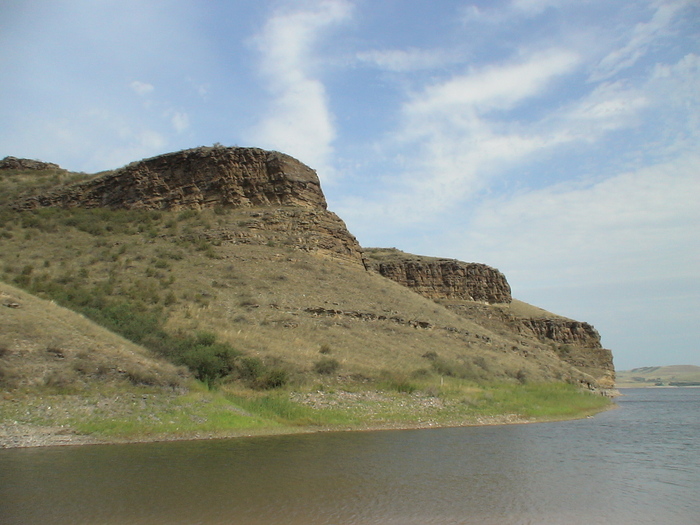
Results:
13 163
197 178
440 278
259 218
280 198
482 294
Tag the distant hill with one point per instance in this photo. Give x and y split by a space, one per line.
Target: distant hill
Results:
675 375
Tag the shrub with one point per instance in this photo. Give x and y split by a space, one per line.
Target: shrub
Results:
397 382
274 378
208 361
403 385
187 214
62 379
205 338
251 369
4 348
453 369
326 366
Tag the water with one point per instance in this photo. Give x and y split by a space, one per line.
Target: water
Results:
639 464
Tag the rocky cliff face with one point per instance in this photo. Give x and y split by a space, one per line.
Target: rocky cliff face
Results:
482 294
576 343
275 200
441 278
310 230
562 331
197 178
280 198
13 163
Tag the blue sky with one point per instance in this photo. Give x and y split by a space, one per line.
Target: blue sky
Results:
557 140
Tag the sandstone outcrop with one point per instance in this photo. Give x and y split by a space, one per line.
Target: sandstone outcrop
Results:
562 331
576 343
13 163
197 178
310 230
280 198
441 278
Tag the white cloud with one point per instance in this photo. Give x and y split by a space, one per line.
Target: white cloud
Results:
639 40
456 149
534 7
404 60
637 225
180 121
498 14
97 139
141 88
495 87
299 121
609 106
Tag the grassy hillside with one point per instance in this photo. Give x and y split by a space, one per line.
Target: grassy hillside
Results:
676 375
262 324
160 278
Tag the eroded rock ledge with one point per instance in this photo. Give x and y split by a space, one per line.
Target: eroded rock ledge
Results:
440 278
283 195
13 163
197 178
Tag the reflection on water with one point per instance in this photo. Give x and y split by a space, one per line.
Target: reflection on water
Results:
637 464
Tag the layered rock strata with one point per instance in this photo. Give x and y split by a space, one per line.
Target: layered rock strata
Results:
576 343
283 194
562 331
13 163
194 179
442 278
310 230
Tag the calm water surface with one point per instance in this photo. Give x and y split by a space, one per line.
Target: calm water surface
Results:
637 464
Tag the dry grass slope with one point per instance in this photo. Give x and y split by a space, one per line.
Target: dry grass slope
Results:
45 345
248 306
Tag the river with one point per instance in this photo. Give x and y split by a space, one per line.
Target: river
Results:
637 464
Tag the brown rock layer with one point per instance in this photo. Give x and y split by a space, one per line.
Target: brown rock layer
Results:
442 278
13 163
196 178
310 230
576 343
563 331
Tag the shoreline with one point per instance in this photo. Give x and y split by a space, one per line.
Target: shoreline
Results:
24 436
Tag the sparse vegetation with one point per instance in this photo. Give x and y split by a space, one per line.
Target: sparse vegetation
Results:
326 366
260 332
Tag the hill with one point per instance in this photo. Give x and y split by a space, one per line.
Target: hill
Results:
675 375
225 261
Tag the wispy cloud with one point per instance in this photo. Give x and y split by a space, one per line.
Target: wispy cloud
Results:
609 106
141 88
493 88
405 60
534 7
636 225
299 121
638 40
457 144
179 120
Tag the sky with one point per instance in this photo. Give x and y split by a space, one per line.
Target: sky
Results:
556 140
